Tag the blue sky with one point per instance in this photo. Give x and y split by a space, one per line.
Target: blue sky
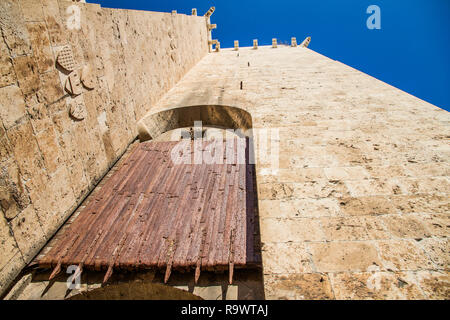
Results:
411 51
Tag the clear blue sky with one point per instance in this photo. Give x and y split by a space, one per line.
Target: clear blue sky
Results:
410 52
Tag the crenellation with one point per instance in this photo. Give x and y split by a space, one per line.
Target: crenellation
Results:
274 42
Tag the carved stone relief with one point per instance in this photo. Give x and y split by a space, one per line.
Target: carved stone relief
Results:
65 59
73 83
77 109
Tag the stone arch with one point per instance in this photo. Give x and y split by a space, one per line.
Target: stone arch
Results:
155 124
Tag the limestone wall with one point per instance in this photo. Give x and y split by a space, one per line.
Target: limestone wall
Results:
359 206
55 146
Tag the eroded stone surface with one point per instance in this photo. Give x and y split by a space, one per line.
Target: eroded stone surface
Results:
12 105
376 285
305 286
49 159
435 284
344 256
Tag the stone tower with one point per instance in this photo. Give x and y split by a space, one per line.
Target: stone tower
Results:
355 204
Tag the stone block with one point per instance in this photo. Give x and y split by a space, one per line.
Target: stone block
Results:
10 271
275 191
421 203
51 90
403 255
320 189
286 258
366 206
5 146
295 230
299 174
13 194
344 228
27 74
12 105
438 224
7 75
435 284
344 256
28 233
13 28
54 22
406 226
40 43
305 286
26 150
438 249
49 147
346 173
375 286
32 10
39 117
54 201
7 243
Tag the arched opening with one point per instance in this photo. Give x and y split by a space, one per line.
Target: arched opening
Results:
156 124
172 217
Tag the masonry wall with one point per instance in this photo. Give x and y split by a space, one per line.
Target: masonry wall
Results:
49 159
358 207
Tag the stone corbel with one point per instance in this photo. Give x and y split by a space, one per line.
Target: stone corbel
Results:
210 12
293 42
305 42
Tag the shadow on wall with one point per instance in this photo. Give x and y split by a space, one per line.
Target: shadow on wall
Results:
248 285
138 290
155 124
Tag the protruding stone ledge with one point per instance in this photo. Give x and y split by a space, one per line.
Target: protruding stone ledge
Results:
274 42
293 42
